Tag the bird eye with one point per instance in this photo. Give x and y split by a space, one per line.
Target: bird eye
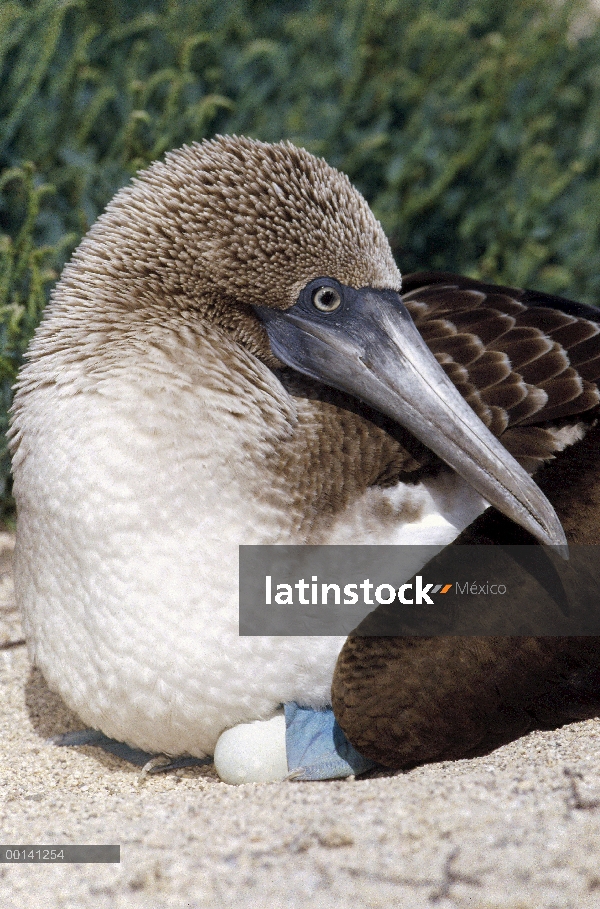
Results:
327 299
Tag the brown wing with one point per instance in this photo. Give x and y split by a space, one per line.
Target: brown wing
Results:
528 363
402 701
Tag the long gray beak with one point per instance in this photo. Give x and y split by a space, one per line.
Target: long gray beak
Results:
371 349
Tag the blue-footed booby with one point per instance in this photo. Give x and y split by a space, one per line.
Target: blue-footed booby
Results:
228 359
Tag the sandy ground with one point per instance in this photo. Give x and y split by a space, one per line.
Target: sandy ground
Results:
519 828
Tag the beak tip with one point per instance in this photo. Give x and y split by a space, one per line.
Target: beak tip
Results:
562 550
554 537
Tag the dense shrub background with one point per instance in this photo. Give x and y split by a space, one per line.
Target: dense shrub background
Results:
473 128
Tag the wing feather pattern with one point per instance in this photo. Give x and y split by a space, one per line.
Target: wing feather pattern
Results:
528 363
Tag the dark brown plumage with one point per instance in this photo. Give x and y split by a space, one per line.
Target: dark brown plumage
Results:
407 700
527 370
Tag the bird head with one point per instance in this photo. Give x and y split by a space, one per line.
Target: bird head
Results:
280 251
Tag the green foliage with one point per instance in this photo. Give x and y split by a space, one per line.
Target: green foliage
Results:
473 128
25 274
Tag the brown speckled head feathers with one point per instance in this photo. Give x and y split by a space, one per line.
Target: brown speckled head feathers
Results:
220 225
242 219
